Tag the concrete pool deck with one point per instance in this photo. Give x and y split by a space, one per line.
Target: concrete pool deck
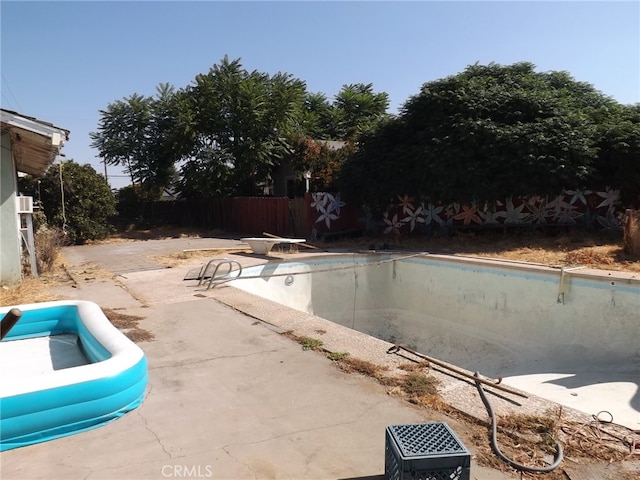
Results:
228 396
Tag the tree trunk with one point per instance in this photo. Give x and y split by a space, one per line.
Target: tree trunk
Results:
632 233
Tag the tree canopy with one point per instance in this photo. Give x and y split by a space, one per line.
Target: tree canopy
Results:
239 122
487 133
77 200
228 130
142 134
618 162
358 110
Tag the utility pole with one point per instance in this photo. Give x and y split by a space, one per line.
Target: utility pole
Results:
106 176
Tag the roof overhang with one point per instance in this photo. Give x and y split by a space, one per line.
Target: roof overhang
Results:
34 143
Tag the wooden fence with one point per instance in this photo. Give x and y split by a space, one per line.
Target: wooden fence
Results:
243 215
325 215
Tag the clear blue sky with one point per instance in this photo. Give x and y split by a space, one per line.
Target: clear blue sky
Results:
64 61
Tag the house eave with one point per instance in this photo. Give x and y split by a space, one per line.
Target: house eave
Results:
35 144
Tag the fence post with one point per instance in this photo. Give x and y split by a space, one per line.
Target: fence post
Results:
632 232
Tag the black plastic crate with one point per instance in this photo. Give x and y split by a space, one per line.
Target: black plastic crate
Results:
425 451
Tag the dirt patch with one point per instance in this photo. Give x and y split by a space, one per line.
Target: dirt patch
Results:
88 272
31 290
562 248
576 248
363 367
180 258
307 343
35 290
418 385
128 324
132 233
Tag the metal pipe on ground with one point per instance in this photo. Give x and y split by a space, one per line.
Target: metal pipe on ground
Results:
458 371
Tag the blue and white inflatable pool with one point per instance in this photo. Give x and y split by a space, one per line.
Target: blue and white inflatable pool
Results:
64 369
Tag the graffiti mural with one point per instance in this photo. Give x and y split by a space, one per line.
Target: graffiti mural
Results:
587 209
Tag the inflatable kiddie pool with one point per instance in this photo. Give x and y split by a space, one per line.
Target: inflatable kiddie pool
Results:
64 369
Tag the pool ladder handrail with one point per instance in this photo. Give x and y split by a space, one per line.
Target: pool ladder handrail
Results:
223 277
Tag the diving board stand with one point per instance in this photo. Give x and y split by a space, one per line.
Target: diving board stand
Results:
263 245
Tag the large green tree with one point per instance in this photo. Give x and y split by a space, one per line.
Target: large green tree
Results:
317 117
618 162
121 138
355 110
228 130
144 135
76 199
240 122
358 110
486 133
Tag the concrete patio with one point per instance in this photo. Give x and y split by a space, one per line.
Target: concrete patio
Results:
229 397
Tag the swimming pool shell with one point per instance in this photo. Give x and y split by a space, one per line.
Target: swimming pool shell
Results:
43 407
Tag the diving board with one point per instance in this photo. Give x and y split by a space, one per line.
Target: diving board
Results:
263 245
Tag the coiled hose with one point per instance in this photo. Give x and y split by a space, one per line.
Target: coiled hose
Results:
494 440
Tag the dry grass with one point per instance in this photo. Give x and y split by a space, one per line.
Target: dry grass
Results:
570 249
418 385
363 367
415 366
526 439
605 442
91 271
133 233
530 440
180 258
48 243
35 290
128 324
539 430
30 290
566 249
307 343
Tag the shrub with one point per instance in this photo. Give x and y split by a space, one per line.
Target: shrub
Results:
88 201
48 241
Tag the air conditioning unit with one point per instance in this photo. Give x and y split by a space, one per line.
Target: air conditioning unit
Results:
24 204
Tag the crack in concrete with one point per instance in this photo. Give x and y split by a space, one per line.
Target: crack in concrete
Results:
150 430
237 460
211 359
143 302
314 429
68 465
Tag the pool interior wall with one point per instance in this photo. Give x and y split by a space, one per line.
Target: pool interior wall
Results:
500 318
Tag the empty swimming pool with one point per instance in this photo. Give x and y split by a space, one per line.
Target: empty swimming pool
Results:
569 335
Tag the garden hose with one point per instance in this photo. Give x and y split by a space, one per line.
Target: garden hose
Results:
494 440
